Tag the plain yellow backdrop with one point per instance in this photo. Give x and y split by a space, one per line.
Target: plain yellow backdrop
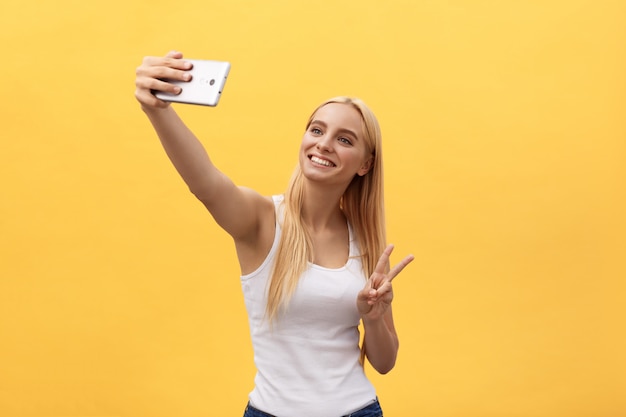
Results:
504 125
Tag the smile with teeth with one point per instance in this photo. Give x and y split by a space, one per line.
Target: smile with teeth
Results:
321 161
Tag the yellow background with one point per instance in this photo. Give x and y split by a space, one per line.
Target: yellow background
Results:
505 145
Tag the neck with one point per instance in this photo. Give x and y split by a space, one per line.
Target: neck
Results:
321 207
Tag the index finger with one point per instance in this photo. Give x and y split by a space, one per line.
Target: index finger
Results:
400 266
172 60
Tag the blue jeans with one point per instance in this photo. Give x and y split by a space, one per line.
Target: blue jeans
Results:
372 410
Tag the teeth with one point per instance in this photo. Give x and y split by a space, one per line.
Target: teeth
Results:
322 161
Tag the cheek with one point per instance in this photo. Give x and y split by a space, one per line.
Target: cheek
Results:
304 146
306 143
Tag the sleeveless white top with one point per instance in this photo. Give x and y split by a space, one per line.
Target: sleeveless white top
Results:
308 362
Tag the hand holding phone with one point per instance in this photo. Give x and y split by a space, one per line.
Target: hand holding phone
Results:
205 87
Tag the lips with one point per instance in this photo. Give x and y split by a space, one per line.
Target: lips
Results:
321 161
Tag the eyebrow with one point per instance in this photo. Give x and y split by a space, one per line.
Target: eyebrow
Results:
343 129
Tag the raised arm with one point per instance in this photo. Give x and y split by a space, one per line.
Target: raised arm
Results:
238 211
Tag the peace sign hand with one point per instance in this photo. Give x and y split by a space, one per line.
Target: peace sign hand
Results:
375 298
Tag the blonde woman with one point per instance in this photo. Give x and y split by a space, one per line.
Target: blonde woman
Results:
314 260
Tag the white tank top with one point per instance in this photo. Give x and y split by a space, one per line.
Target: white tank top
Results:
308 362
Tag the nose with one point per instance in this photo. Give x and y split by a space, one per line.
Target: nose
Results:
324 143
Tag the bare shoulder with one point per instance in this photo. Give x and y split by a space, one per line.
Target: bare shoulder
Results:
263 205
241 212
265 217
252 248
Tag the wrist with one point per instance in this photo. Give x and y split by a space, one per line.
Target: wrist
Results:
373 321
149 109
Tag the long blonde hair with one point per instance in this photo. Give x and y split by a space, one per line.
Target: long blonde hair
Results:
362 204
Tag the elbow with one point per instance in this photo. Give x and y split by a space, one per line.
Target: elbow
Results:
385 368
203 194
383 363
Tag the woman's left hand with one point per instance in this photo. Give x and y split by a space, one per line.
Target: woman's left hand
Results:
375 298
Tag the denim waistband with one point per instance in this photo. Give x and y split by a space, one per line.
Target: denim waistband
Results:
255 412
372 410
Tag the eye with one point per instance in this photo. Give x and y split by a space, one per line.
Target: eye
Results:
316 131
345 140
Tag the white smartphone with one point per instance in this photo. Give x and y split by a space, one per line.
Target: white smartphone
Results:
206 85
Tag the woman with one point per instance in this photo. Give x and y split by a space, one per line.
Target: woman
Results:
313 261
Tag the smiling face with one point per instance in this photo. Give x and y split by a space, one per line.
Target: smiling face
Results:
333 148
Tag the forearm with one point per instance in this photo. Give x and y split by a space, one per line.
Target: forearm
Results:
184 150
381 344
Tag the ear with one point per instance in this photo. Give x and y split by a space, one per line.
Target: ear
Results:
367 165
